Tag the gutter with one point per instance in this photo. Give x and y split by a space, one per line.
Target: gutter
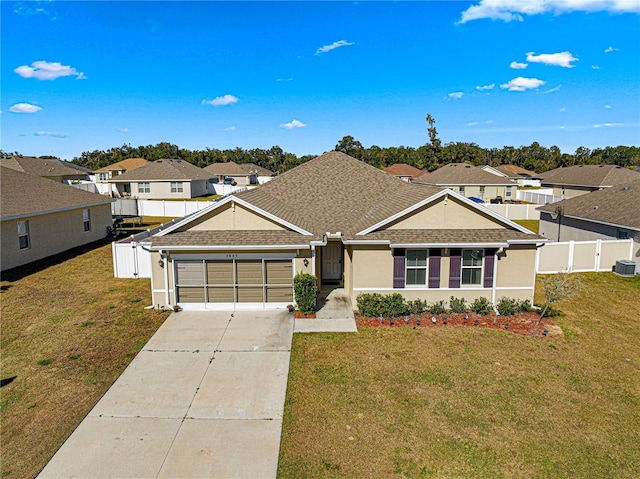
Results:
229 247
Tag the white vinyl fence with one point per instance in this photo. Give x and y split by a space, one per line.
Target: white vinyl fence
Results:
515 212
537 197
131 256
582 256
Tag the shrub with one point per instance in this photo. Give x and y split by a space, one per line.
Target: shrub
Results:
417 306
524 306
394 305
508 306
457 305
305 287
437 307
370 304
481 306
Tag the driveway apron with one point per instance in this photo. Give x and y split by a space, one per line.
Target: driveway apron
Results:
204 398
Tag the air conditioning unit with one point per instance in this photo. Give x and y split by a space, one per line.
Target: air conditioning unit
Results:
625 267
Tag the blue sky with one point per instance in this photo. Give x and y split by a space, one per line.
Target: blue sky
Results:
81 76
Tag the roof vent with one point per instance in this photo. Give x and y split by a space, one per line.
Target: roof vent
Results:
595 207
625 188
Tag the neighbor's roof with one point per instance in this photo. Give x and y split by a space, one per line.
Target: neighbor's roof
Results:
22 195
514 171
595 176
258 169
402 169
207 238
127 165
164 170
618 205
41 167
227 168
454 174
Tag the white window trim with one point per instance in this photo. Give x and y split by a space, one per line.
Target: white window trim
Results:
177 187
144 187
463 267
407 268
86 220
26 234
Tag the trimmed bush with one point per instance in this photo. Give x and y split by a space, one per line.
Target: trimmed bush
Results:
481 306
370 304
394 305
437 307
524 306
305 287
417 306
457 305
508 306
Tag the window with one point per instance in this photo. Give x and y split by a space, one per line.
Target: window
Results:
144 188
472 266
481 192
103 176
621 234
23 234
508 191
86 219
416 267
176 187
461 190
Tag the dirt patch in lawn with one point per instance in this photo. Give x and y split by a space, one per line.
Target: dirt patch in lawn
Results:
524 324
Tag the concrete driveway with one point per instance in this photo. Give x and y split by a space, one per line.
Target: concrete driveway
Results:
204 398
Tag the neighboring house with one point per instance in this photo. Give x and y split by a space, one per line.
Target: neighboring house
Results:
351 225
514 173
106 173
263 174
611 213
403 171
52 169
40 218
578 180
163 179
470 181
232 172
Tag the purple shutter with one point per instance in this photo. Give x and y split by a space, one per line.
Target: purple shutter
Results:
455 268
398 267
488 268
434 268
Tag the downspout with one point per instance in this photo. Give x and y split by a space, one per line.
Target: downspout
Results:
495 280
313 259
166 278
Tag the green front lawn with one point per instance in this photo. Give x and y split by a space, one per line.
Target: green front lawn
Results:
468 403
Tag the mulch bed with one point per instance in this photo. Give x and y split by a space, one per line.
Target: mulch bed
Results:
523 324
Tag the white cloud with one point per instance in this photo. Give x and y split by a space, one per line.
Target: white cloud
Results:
231 128
123 130
284 79
293 124
611 49
608 107
522 84
333 46
518 65
43 70
596 67
24 108
552 90
562 59
35 8
472 123
49 133
485 87
607 125
456 95
475 123
513 10
221 100
564 108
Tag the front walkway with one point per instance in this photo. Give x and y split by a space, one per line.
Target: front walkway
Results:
335 315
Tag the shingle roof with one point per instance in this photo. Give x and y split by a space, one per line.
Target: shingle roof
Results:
514 171
256 168
454 174
22 194
228 168
164 170
402 169
453 236
595 176
236 238
335 192
127 165
619 205
40 166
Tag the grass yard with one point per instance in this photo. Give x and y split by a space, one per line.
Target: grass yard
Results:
471 403
68 330
532 225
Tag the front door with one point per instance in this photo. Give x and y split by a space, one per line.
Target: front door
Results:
332 261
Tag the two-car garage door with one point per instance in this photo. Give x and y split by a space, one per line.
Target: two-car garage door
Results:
234 283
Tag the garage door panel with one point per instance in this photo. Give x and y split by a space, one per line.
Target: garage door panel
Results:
220 294
279 272
250 294
276 294
249 272
219 272
189 272
190 294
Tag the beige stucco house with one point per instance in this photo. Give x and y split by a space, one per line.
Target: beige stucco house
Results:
514 173
113 170
470 181
241 175
610 213
579 180
372 233
163 179
52 169
403 171
40 218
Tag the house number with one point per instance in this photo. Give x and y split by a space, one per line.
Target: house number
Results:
231 256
